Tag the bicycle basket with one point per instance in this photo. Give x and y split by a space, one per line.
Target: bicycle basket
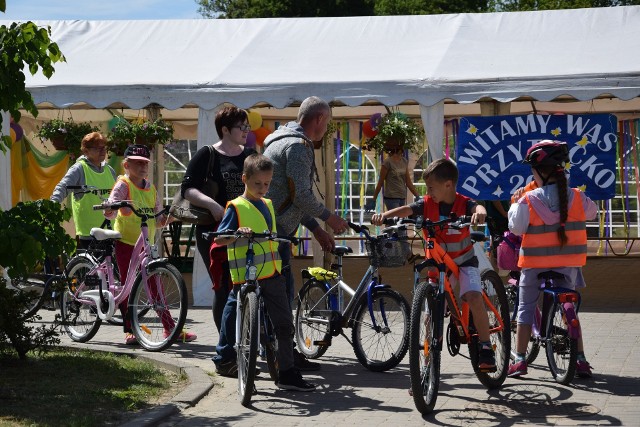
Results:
388 251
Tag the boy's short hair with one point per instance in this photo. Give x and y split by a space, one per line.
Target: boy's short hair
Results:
229 117
442 170
256 163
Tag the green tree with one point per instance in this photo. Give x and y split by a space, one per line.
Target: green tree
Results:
23 44
524 5
283 8
428 7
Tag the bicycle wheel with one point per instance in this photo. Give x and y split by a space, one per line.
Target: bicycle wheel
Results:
562 350
424 353
33 288
80 320
500 340
247 348
382 347
158 308
312 302
533 348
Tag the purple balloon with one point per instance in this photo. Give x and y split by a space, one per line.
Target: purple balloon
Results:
374 120
251 140
18 130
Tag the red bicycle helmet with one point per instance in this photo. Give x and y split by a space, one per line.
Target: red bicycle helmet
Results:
547 153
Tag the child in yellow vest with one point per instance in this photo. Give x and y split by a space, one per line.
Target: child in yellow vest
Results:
246 213
551 218
134 186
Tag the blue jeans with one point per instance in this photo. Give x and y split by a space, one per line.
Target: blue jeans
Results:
227 339
392 203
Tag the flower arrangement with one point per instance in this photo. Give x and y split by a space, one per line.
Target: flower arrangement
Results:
65 134
395 131
146 132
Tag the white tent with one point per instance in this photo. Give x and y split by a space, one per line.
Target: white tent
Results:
580 54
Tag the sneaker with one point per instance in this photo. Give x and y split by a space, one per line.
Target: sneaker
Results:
583 369
292 380
301 363
227 369
130 339
486 360
517 369
185 336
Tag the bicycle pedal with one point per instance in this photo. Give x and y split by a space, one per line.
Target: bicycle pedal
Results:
487 370
322 343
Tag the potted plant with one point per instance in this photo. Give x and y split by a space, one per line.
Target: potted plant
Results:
396 131
65 134
147 132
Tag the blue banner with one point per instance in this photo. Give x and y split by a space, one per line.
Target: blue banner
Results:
491 149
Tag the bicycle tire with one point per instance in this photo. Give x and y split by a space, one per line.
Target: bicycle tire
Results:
561 349
247 348
500 341
533 348
34 287
424 352
383 348
269 343
80 321
158 308
309 333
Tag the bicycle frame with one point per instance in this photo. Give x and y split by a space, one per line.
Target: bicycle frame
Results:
436 256
110 293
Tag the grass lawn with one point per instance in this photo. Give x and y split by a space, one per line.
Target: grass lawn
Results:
80 388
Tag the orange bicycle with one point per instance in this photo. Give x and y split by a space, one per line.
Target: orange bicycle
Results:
434 300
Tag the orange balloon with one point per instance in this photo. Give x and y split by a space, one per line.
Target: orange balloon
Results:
261 134
367 130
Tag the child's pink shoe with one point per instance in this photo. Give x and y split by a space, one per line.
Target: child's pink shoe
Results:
185 336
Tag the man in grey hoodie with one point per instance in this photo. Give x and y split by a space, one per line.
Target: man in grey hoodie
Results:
290 148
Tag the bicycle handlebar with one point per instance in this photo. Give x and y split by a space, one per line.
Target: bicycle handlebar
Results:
264 235
127 204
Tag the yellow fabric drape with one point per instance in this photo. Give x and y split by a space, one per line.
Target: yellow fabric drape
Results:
26 174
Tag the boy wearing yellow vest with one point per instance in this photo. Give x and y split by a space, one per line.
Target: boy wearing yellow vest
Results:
134 186
441 177
551 219
247 213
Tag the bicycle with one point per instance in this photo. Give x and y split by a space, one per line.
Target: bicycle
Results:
433 300
377 315
253 325
154 288
556 326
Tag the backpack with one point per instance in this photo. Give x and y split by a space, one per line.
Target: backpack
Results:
508 251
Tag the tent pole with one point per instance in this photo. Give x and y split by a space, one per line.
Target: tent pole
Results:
200 281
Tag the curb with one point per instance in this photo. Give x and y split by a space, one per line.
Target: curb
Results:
199 384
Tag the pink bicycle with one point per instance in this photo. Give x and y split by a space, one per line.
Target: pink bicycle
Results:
155 289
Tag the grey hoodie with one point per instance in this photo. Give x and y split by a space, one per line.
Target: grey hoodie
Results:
291 188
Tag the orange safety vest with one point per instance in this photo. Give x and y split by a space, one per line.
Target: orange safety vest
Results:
457 243
540 243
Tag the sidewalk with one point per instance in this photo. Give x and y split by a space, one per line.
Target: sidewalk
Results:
348 394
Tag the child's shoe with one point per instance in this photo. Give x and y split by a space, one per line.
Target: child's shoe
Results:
292 380
583 369
486 360
130 339
517 369
185 336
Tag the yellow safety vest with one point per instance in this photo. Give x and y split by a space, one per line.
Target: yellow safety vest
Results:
266 257
84 217
144 200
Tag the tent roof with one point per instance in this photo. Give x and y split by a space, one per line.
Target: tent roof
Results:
583 53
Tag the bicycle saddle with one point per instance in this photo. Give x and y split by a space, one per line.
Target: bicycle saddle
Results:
552 275
102 234
341 250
